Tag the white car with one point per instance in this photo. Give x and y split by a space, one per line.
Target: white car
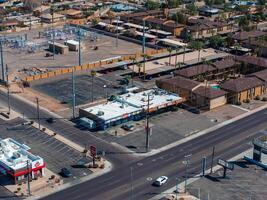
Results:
160 181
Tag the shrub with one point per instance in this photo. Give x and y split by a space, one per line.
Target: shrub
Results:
102 166
257 97
264 99
247 101
238 103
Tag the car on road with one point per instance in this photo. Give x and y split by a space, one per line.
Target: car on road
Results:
66 172
50 120
160 181
127 127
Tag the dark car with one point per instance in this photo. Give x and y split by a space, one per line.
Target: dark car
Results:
127 127
50 120
66 172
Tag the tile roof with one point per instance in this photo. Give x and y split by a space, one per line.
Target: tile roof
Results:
179 81
261 75
241 84
225 63
209 92
252 60
244 35
204 24
195 70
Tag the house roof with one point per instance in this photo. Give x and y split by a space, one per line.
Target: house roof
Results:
241 84
204 24
209 92
141 14
252 60
245 35
262 75
179 81
195 70
225 63
9 22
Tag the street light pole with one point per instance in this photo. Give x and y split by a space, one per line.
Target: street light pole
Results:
117 32
186 162
2 61
28 177
147 123
73 94
8 90
212 158
80 52
131 183
38 113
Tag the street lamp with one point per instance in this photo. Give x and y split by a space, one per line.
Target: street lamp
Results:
106 90
186 162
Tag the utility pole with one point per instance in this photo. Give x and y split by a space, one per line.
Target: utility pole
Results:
131 183
80 52
177 188
212 158
186 162
53 32
147 123
8 90
204 161
93 73
144 46
38 113
2 61
184 55
28 177
117 31
73 94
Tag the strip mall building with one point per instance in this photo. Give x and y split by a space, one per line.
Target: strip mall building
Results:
18 162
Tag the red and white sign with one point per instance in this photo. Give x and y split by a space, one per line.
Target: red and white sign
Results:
93 151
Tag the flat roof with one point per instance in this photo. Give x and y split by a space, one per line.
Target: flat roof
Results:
74 42
133 103
15 155
173 42
147 35
160 32
134 25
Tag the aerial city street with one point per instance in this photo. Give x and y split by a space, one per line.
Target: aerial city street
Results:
133 99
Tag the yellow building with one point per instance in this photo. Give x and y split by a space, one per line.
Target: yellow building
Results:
241 89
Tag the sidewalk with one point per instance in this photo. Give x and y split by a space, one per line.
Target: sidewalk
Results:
184 140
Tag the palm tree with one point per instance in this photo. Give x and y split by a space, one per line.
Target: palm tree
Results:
145 56
170 51
176 52
111 16
133 59
196 45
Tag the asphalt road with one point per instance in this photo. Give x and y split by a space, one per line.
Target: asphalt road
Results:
228 140
67 129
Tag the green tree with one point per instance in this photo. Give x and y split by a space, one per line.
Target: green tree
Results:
217 41
243 22
179 18
94 22
191 8
152 5
174 3
196 45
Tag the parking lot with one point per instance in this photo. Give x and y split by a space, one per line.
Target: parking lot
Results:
246 181
55 153
61 88
166 128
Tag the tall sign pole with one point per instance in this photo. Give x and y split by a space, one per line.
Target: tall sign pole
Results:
38 113
147 123
28 177
73 94
80 49
8 90
2 61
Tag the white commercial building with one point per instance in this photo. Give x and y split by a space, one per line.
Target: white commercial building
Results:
130 106
18 162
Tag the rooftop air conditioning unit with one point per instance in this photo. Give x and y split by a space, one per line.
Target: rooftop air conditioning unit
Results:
100 113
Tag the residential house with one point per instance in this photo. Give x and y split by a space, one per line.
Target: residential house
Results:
259 46
206 97
162 24
199 72
262 75
225 67
251 64
243 36
72 14
179 85
8 24
132 17
208 11
196 93
204 28
48 18
241 89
